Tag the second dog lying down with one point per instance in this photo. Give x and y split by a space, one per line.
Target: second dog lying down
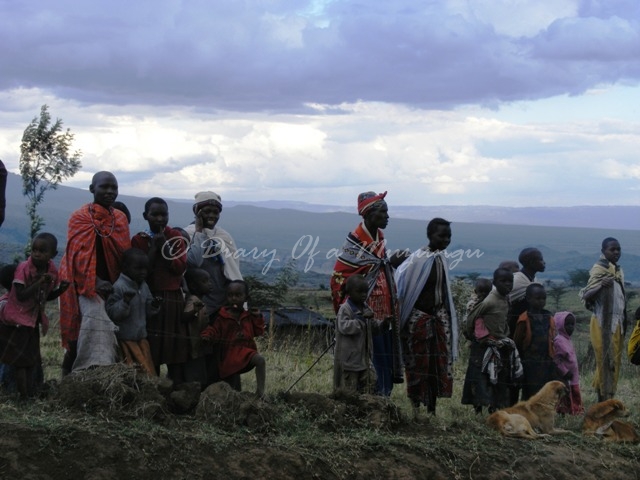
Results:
602 420
537 414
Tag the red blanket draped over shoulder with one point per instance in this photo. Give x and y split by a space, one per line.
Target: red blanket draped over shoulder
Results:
78 265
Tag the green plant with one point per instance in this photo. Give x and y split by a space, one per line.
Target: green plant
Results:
45 160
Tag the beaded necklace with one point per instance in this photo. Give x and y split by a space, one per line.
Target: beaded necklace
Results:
97 227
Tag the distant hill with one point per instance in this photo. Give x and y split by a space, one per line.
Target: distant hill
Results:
266 233
610 216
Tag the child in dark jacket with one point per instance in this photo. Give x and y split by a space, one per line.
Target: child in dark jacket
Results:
354 328
234 328
130 306
534 334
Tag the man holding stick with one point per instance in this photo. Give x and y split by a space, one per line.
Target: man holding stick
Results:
604 296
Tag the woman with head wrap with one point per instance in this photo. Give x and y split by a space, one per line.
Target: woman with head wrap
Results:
213 250
364 252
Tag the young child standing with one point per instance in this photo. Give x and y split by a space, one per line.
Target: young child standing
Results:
567 363
167 252
534 334
234 328
486 385
130 306
196 317
354 329
34 283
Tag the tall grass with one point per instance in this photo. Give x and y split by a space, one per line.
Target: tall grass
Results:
302 357
290 353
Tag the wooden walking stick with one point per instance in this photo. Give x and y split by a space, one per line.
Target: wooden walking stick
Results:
608 363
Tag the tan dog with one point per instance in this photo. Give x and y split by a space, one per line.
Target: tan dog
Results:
602 420
525 419
512 425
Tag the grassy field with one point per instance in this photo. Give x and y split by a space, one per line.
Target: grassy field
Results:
289 356
300 441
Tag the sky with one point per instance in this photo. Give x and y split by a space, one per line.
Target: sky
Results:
443 102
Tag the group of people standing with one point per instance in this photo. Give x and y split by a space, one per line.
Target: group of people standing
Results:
406 321
150 299
175 297
396 312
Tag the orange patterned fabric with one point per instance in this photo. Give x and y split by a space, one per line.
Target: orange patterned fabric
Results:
78 265
344 268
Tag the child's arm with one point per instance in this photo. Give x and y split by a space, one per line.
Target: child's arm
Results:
118 304
24 293
199 243
606 282
561 359
59 290
520 334
155 247
257 322
348 325
152 304
213 333
174 251
192 308
379 326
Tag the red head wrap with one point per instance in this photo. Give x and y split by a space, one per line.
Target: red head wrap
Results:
367 200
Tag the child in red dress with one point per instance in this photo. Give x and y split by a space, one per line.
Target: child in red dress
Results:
234 329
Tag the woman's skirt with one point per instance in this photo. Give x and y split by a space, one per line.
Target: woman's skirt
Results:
427 356
166 332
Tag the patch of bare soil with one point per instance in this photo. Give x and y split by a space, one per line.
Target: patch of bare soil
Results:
297 436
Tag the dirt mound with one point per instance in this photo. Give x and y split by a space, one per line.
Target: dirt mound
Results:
222 405
343 409
118 390
234 435
122 391
85 431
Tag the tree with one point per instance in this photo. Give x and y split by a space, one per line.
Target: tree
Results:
263 294
473 276
45 160
460 291
556 291
578 277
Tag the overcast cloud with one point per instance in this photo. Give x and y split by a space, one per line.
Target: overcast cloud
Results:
318 100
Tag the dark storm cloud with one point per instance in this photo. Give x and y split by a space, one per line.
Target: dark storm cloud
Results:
266 55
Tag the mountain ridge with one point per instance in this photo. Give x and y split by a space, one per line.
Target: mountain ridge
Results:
269 237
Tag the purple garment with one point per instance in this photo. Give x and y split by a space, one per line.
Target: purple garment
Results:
565 355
